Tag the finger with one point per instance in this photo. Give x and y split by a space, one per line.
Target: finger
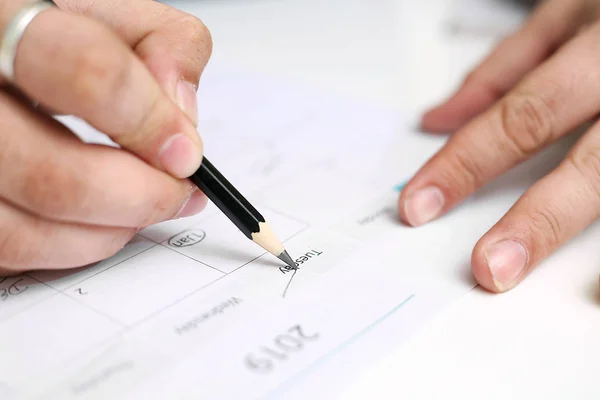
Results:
548 104
173 44
30 243
50 173
550 25
75 65
548 215
5 272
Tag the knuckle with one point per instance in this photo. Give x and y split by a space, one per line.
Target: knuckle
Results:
52 189
548 224
526 121
194 30
462 173
587 162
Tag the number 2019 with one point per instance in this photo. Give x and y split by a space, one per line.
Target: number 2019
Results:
281 348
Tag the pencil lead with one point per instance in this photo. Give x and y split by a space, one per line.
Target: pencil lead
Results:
285 257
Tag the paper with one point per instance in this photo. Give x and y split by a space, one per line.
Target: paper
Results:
487 18
192 309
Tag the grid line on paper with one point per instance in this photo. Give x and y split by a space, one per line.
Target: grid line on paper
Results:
112 266
306 226
190 294
177 232
67 288
256 258
79 302
179 300
121 324
192 258
188 227
154 314
129 327
35 303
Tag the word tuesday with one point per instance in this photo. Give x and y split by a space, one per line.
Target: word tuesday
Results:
301 260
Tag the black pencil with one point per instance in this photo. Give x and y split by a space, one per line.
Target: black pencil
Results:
248 220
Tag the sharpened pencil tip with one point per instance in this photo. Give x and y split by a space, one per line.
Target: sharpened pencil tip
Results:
285 257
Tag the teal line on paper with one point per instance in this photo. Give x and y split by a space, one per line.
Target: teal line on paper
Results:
400 186
341 346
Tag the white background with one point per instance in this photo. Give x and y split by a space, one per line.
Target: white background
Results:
540 341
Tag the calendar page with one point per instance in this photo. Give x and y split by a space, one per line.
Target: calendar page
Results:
191 308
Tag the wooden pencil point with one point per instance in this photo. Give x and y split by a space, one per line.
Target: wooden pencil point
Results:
231 202
286 258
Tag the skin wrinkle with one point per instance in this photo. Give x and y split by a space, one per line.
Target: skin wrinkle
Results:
167 40
550 69
469 177
547 223
193 55
111 7
527 123
65 184
583 161
562 113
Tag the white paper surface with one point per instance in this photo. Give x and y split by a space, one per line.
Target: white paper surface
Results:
486 18
192 309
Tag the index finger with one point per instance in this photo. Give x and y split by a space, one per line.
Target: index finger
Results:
549 26
550 102
174 45
75 65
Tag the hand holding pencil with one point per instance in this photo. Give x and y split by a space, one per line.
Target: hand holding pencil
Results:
130 71
137 85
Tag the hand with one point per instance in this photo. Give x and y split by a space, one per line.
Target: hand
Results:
537 86
128 68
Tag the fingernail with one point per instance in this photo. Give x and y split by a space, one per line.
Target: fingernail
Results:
180 156
194 205
424 205
506 260
187 101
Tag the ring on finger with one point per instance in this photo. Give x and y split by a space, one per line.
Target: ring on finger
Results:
14 32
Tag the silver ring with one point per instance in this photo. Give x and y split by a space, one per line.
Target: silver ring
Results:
13 34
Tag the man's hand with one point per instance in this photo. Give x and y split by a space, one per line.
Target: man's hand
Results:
130 69
537 86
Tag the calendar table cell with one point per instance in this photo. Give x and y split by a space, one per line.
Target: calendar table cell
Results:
63 279
218 243
20 292
147 284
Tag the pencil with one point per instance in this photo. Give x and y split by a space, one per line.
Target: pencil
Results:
248 220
